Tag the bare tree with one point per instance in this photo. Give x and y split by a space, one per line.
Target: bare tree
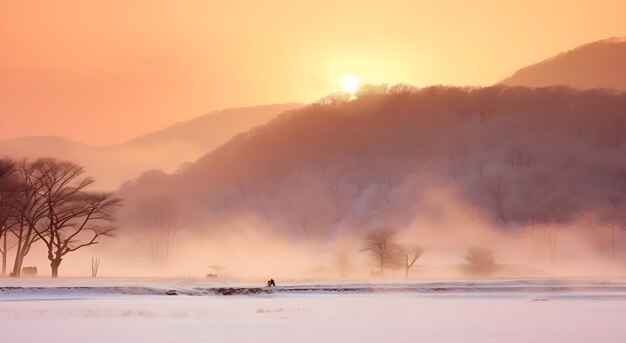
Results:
161 220
7 189
496 191
540 198
336 196
379 243
4 250
407 255
614 220
7 168
551 236
237 178
75 218
79 227
29 208
553 216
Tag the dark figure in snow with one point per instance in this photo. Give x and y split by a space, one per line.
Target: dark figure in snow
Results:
271 283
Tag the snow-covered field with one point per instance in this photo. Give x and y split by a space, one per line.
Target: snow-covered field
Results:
84 310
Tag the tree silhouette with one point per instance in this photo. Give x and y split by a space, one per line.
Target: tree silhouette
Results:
379 243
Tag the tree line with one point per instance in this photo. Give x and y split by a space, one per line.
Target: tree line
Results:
49 202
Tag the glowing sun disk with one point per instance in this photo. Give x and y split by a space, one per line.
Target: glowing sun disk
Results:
350 83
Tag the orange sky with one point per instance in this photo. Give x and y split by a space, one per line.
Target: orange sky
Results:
101 72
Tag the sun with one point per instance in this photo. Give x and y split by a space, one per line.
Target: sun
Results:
350 83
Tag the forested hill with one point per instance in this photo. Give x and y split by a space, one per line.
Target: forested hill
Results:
515 155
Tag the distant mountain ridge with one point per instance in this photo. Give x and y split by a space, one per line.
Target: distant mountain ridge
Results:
163 149
600 64
231 121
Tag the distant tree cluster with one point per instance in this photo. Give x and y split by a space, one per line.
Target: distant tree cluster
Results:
47 201
382 245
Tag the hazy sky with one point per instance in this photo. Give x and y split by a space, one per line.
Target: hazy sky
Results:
101 72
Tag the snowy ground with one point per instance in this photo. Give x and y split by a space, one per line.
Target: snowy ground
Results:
138 311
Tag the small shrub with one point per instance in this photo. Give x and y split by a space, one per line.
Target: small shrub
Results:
479 261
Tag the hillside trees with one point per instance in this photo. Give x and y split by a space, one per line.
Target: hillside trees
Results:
514 155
